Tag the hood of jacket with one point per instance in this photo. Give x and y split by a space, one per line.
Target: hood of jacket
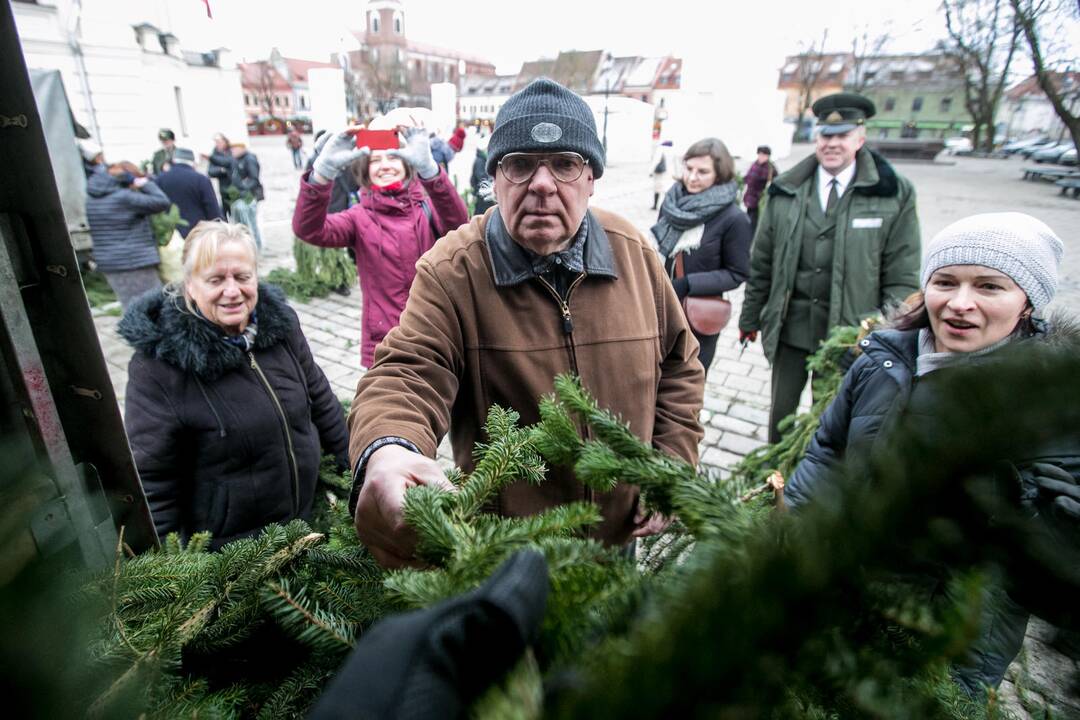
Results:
101 183
874 176
160 326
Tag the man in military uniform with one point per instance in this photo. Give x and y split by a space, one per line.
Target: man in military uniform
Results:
838 241
164 156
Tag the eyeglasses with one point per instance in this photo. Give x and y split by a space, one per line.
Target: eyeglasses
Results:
519 167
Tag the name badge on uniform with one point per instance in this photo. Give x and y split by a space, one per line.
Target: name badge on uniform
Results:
865 223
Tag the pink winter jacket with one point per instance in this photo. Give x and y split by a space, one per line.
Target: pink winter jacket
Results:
389 231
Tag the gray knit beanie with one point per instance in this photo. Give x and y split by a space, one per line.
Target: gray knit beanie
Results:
545 117
1018 245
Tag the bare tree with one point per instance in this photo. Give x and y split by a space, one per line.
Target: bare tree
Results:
384 81
982 39
265 81
865 48
1053 70
810 67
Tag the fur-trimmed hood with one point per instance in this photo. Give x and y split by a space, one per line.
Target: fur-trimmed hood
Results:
874 176
160 326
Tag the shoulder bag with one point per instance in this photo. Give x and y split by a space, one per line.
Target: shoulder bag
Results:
707 314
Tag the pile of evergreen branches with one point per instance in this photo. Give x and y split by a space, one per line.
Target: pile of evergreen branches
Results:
740 612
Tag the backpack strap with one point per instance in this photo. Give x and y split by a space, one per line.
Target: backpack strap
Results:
431 218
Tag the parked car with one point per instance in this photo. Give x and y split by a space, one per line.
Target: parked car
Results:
1051 153
1068 157
958 144
1032 149
1017 145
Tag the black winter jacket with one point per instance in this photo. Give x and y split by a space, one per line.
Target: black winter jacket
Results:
721 262
224 440
119 225
875 390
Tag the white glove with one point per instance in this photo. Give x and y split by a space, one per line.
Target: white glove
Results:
335 153
417 152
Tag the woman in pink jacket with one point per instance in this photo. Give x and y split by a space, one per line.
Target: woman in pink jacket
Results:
406 204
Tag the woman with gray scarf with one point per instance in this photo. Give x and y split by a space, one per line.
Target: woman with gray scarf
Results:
700 220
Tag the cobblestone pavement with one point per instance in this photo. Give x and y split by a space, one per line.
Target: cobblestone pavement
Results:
735 413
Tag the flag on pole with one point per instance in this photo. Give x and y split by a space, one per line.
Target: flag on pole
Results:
208 13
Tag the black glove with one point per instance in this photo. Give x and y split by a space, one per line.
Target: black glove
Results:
433 663
1058 492
682 287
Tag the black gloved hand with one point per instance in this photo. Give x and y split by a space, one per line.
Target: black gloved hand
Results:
1058 492
682 287
431 664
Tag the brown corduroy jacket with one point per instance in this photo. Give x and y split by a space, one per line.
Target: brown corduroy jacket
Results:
479 329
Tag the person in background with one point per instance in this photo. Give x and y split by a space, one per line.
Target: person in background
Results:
457 140
92 156
442 152
227 413
245 178
189 190
407 202
119 202
984 279
663 171
838 241
295 142
702 235
480 181
539 285
757 178
220 166
164 155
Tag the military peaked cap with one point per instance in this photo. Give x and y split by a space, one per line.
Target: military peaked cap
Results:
842 112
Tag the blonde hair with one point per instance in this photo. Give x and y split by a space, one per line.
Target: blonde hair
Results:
201 248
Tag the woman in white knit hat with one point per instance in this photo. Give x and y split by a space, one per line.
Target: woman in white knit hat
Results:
985 280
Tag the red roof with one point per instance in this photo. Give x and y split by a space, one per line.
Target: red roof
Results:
251 76
1030 86
298 69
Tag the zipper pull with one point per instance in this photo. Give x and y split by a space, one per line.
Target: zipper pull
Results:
253 365
567 321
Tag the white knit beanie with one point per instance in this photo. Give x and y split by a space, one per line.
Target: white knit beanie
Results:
1013 243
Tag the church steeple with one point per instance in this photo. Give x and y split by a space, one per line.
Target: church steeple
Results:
385 22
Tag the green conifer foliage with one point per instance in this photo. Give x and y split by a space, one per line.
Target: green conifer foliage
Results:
737 612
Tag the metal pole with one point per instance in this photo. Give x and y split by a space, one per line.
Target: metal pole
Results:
607 91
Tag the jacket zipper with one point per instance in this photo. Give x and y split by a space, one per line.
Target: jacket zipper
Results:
568 329
285 427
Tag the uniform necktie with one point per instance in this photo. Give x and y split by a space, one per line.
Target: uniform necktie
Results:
830 204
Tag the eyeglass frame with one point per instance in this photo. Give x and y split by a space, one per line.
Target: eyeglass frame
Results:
544 161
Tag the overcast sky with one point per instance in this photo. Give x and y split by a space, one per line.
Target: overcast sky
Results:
744 38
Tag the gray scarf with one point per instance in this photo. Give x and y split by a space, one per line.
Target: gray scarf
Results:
682 210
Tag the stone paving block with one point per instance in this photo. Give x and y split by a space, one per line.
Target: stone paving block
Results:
712 436
738 444
756 415
336 371
720 459
721 421
731 367
704 416
716 404
745 383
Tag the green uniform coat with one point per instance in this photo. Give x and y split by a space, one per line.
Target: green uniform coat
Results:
876 252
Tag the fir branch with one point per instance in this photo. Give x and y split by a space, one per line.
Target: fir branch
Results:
305 620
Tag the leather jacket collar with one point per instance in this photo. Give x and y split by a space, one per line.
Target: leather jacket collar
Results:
511 264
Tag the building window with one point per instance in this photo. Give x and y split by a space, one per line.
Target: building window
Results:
916 104
890 104
397 25
374 55
180 110
946 104
374 22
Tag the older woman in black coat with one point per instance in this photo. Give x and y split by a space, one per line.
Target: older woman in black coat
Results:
701 222
227 413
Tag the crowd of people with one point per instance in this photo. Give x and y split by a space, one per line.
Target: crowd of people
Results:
228 412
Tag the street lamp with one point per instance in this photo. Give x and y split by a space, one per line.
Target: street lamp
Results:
606 70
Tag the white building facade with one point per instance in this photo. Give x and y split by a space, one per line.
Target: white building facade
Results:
127 76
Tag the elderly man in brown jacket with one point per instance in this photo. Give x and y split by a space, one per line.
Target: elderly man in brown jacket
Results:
537 286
